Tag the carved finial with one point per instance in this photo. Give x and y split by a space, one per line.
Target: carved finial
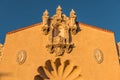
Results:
46 12
58 16
45 19
72 13
73 22
59 8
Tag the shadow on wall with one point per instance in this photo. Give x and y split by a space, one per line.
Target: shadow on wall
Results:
58 70
118 51
2 74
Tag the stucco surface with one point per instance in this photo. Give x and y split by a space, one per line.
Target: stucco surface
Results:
32 40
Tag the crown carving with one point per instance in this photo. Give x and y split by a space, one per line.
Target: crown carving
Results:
59 27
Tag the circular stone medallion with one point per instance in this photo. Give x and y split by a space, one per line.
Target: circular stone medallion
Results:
21 56
98 55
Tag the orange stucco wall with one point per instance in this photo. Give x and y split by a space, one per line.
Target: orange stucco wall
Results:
86 41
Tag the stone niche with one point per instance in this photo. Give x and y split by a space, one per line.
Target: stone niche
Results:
59 28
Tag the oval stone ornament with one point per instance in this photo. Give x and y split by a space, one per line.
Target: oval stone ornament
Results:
98 54
21 56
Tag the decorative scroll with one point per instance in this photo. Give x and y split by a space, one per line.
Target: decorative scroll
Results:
59 28
58 70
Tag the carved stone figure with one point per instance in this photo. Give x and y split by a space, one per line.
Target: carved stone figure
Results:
58 14
60 28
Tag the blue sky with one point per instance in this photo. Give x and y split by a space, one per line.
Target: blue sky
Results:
15 14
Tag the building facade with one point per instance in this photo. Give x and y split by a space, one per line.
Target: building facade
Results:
59 48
